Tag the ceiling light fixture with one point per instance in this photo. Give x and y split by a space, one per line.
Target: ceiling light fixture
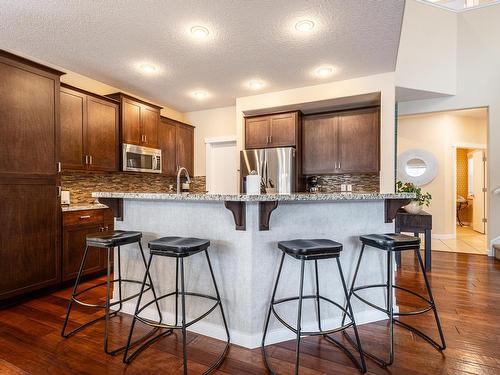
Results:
324 71
200 95
256 84
304 26
147 68
199 32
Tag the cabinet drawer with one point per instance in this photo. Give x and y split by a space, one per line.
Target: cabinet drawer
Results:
83 217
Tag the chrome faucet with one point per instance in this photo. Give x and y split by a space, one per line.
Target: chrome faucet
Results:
179 178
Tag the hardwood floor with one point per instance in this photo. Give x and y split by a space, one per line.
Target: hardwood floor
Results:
466 288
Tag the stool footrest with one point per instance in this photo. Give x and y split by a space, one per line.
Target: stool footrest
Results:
73 297
311 333
415 312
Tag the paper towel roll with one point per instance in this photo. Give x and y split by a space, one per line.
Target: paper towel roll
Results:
253 184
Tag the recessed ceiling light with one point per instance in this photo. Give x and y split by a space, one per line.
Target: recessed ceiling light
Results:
304 26
147 68
256 84
199 32
324 71
200 94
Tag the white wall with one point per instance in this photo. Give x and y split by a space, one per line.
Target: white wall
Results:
478 85
383 83
218 122
427 49
437 133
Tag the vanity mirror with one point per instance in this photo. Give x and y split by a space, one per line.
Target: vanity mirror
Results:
417 166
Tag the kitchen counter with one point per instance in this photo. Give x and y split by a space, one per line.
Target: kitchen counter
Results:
296 197
80 207
245 260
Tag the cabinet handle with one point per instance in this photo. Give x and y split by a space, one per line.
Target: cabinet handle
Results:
270 139
86 159
59 190
59 167
339 165
145 138
90 159
85 217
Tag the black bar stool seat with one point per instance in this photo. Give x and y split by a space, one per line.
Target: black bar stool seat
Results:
321 248
312 250
178 246
393 244
390 241
113 238
109 240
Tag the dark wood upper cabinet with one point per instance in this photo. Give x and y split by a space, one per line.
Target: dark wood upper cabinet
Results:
167 131
139 120
185 147
341 142
131 122
359 142
89 131
257 132
319 147
102 134
30 210
73 116
278 130
176 141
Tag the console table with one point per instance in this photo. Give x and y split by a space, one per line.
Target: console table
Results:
416 223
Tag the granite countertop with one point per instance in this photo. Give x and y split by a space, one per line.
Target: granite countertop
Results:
298 197
79 207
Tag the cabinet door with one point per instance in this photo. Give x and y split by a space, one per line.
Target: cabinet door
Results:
150 119
29 240
73 118
359 140
74 239
167 144
283 130
102 134
131 122
257 132
29 117
319 145
185 148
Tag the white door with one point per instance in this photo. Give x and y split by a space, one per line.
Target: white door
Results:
479 185
221 166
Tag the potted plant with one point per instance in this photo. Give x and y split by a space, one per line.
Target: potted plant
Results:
417 204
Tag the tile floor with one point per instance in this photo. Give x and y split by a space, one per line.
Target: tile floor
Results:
467 241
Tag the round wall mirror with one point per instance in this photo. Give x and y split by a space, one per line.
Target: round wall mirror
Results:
417 166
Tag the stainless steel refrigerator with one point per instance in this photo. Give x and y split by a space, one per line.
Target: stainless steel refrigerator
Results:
276 166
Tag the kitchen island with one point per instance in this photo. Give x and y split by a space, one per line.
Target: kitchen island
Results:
244 231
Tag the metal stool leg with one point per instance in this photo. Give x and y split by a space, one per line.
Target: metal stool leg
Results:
119 279
362 365
73 293
390 307
176 291
318 307
354 279
299 316
268 317
183 312
108 301
127 359
150 280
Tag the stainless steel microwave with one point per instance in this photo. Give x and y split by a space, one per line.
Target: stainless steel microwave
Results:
141 159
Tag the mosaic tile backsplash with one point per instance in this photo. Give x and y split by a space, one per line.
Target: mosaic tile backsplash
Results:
360 182
82 184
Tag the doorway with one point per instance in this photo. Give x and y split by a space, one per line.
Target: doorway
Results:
221 168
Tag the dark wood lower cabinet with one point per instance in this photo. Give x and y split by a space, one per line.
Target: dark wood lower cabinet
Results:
76 226
29 240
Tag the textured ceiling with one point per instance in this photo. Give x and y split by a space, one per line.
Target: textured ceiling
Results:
106 39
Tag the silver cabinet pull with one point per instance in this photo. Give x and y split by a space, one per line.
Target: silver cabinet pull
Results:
86 159
145 138
59 167
85 217
90 159
270 139
59 190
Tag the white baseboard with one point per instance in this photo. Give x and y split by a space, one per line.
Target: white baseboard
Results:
491 250
443 236
250 341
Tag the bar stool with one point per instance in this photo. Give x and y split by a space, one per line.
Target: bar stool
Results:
305 250
178 248
392 243
108 240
